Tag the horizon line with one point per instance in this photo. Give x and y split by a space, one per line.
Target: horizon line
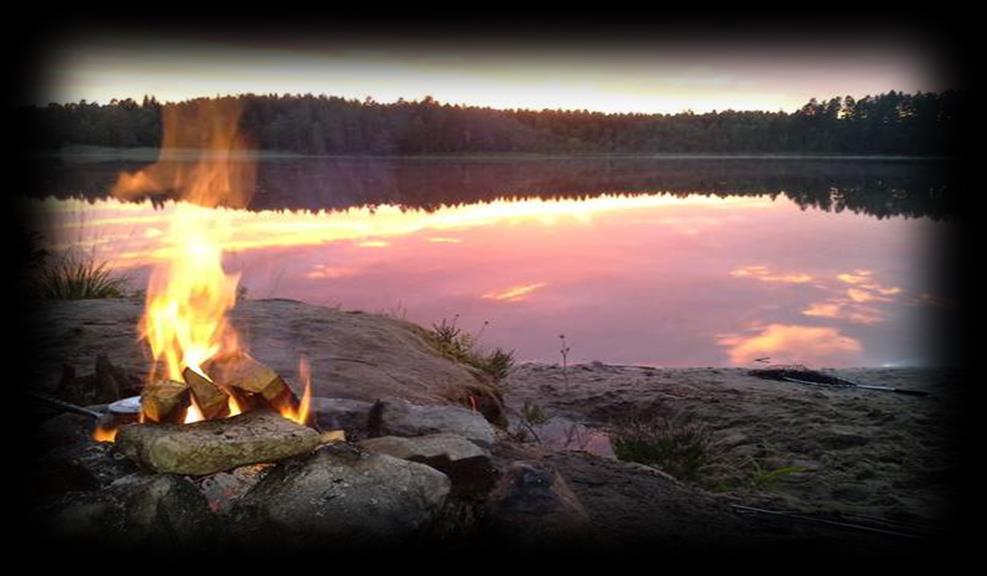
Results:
369 99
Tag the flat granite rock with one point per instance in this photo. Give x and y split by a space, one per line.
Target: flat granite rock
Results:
450 446
352 355
215 445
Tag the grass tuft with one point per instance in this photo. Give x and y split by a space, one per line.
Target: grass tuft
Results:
76 277
452 342
675 444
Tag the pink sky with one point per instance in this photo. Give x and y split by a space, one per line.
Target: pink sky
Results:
643 76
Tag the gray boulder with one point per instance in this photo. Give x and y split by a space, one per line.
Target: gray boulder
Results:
341 496
344 414
161 512
398 417
532 504
468 466
64 430
223 489
79 467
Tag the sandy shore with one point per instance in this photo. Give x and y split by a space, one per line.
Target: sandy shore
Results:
857 453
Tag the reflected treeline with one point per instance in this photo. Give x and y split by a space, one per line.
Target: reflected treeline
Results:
880 188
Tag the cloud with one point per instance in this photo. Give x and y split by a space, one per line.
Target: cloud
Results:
514 293
865 288
844 311
374 244
851 304
324 272
762 274
791 343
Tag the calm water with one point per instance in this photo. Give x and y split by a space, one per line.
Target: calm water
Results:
677 262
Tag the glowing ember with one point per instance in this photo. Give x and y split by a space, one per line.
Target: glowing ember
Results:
104 434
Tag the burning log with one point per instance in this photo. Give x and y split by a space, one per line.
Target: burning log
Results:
212 400
252 383
165 401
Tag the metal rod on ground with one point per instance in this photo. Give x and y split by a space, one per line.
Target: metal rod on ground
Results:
852 385
65 405
834 523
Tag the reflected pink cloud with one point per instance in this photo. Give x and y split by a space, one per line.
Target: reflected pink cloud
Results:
813 345
850 305
764 275
514 293
860 295
866 289
845 311
324 272
847 305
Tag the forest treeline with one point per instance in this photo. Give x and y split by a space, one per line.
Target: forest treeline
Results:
891 123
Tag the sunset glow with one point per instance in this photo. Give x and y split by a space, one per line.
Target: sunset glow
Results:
614 273
646 77
368 228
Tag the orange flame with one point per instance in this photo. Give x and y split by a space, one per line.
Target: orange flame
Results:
104 433
301 414
204 157
189 293
194 414
234 406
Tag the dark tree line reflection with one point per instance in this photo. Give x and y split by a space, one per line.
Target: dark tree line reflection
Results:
880 188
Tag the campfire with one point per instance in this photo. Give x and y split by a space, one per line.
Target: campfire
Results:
216 436
201 370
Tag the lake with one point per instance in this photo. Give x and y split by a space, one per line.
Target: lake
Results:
652 261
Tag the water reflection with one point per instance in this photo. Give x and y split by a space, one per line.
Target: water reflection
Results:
560 433
880 188
650 279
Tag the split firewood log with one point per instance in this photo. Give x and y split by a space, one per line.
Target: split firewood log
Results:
253 383
165 401
212 400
